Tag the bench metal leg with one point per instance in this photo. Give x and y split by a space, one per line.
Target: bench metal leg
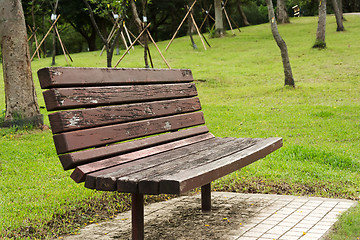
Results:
206 198
137 216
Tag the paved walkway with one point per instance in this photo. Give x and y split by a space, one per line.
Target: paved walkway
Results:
269 217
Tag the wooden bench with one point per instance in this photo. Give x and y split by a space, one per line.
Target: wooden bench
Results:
139 131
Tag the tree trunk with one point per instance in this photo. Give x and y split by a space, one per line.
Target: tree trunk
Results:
281 13
242 14
338 16
54 37
20 97
145 37
340 5
108 46
139 24
219 24
289 80
320 32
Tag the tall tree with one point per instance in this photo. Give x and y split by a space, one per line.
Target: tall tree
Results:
281 13
289 80
338 16
78 17
20 96
219 24
320 32
53 16
242 14
140 27
109 46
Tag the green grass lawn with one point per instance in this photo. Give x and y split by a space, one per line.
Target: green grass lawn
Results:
241 86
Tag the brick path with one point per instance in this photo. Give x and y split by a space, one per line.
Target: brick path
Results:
278 217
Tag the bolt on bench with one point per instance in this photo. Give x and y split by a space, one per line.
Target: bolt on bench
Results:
140 131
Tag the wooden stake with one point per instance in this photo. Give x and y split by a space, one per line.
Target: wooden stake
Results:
37 49
227 17
234 23
162 56
62 46
127 34
33 34
36 44
124 40
207 15
177 30
127 50
135 38
197 29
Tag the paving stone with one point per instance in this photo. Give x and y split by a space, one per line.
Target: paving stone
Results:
278 217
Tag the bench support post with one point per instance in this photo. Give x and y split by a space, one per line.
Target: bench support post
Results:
137 216
206 198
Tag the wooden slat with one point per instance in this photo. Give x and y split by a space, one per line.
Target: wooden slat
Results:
70 77
79 173
95 137
147 180
85 118
67 98
71 160
186 180
106 179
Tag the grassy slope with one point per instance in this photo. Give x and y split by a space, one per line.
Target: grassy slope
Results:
243 96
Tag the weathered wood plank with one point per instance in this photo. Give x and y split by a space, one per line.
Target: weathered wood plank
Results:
71 160
69 77
128 182
106 179
67 98
186 180
85 118
95 137
147 180
79 173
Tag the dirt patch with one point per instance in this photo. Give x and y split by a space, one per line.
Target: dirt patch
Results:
188 222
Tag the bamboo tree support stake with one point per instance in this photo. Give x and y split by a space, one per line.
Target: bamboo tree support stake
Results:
234 23
177 30
61 44
36 44
142 45
127 50
206 17
227 17
127 34
42 41
124 40
198 31
162 56
33 34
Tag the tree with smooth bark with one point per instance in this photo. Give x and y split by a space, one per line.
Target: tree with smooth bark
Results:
20 97
338 16
219 24
320 32
140 27
289 79
242 14
281 14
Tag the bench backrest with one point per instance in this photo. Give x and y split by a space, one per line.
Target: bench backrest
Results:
97 107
